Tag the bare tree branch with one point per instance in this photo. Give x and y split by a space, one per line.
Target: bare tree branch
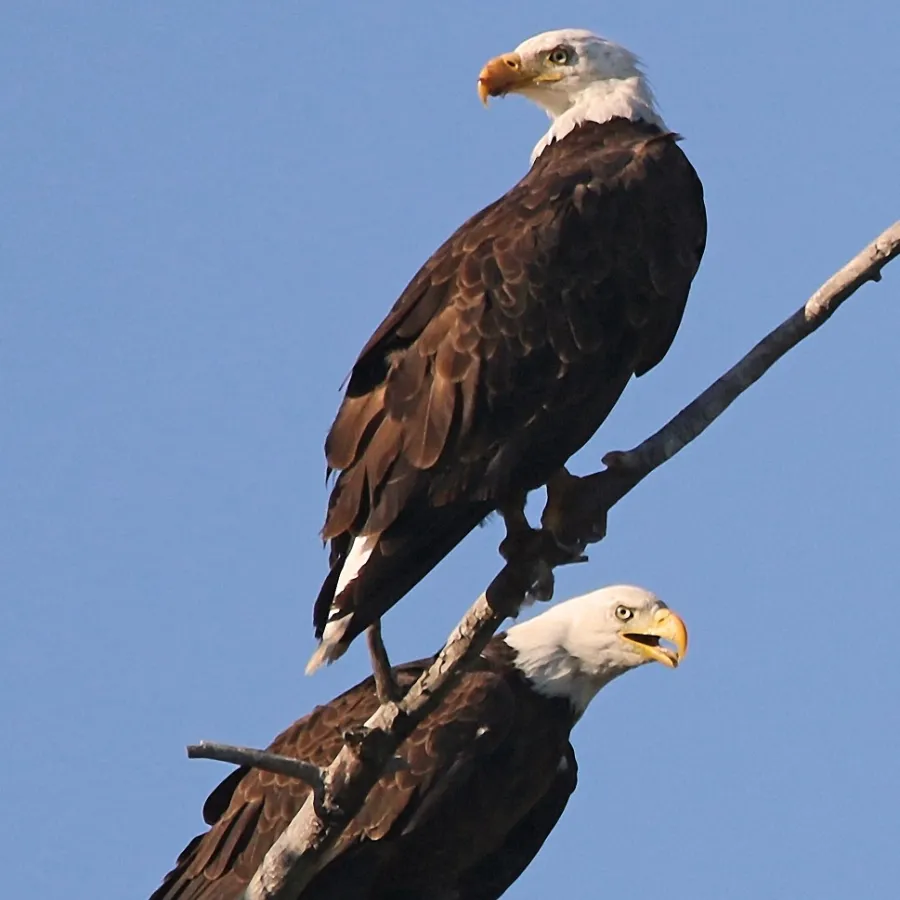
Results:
587 506
694 418
306 845
261 759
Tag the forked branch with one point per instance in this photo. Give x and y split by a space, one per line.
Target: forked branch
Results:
305 846
585 516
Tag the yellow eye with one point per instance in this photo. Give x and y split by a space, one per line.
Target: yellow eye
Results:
559 56
623 613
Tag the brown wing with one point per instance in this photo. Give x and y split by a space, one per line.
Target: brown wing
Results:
493 875
251 808
507 351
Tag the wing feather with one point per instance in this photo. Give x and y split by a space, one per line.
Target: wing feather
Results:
476 714
218 864
511 345
494 874
429 425
354 418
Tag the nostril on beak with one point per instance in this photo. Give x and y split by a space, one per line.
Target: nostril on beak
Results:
512 63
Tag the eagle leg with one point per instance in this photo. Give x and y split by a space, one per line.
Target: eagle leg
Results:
564 490
523 547
385 685
520 535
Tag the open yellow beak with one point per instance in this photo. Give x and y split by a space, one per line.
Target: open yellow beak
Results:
667 626
509 73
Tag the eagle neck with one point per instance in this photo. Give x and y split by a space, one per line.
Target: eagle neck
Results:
546 653
623 98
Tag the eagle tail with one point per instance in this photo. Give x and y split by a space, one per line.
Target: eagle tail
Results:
375 571
331 646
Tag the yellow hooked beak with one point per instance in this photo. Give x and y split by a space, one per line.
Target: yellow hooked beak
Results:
509 72
667 626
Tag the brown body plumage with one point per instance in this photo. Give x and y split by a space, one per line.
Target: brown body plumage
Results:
494 745
478 785
505 354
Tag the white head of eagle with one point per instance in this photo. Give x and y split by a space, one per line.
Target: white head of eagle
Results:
510 346
575 76
480 783
575 648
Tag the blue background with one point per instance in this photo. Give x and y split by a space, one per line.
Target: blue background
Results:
208 206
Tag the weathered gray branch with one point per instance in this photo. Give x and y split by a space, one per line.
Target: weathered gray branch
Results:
305 847
695 417
261 759
586 508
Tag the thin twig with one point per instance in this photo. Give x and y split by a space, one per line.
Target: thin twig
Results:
305 846
260 759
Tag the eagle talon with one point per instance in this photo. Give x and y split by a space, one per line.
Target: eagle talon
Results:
504 355
565 495
575 553
523 546
573 550
541 589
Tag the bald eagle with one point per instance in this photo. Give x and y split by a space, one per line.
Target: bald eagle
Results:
482 781
514 341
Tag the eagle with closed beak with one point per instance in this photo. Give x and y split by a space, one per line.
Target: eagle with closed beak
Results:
513 342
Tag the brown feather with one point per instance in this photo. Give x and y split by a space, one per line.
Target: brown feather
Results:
508 349
381 454
429 425
451 361
348 503
353 418
399 485
486 755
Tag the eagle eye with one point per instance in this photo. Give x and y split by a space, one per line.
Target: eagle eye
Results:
623 613
560 56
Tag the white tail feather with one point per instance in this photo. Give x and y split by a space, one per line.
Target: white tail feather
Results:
330 648
360 551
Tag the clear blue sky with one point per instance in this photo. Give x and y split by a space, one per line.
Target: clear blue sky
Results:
207 208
